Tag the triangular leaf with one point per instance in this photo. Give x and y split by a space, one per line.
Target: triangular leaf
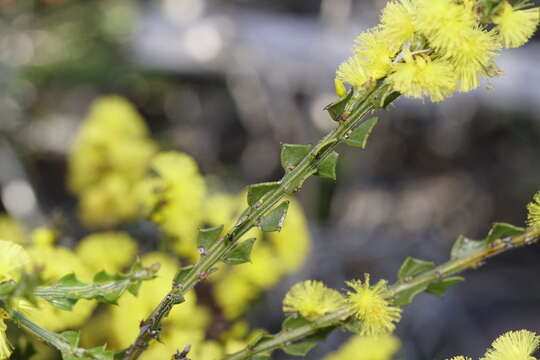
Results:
294 322
63 303
353 325
257 191
327 168
292 154
337 108
407 296
439 288
360 135
412 267
241 253
182 273
70 280
261 339
72 337
305 345
502 230
274 220
207 237
104 276
390 98
464 247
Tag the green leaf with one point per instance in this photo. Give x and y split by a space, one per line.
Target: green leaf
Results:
257 191
390 98
360 135
69 280
337 108
241 253
260 340
327 168
305 345
207 237
62 303
439 288
274 220
464 247
353 325
412 267
72 337
502 230
182 273
406 297
294 322
292 154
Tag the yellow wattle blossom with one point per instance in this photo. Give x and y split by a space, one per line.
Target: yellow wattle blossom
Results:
376 52
11 229
174 199
377 314
533 211
352 71
513 345
43 236
516 25
13 259
5 346
109 251
381 347
422 76
397 21
312 299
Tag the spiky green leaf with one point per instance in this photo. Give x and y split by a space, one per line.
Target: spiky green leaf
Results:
439 287
464 247
274 220
360 135
407 296
207 237
241 253
337 108
327 168
502 230
257 191
292 154
412 267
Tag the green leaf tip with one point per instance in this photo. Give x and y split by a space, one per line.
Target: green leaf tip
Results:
439 287
337 108
502 230
241 253
292 154
207 237
274 220
412 267
464 247
257 191
406 297
327 168
303 347
359 136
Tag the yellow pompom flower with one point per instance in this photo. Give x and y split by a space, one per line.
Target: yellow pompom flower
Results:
5 346
381 347
516 25
513 345
13 258
11 229
397 21
312 299
422 76
369 305
43 236
352 71
533 211
376 52
109 251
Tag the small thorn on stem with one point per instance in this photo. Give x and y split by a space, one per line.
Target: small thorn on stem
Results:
182 355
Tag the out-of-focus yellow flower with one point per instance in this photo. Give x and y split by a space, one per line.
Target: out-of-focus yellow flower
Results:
514 345
11 230
188 320
381 347
378 316
43 236
352 71
5 346
376 51
516 25
174 199
13 259
109 251
312 299
421 77
56 263
533 211
109 155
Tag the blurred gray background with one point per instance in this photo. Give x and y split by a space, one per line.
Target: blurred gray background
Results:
227 81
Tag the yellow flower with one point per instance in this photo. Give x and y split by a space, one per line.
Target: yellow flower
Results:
109 251
367 348
312 299
422 76
341 90
11 229
513 345
369 305
174 199
5 346
13 258
376 52
43 236
533 211
397 21
352 71
516 25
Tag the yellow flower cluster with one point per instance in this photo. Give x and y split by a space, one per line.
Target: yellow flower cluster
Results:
381 347
433 48
173 197
533 211
110 154
513 345
312 299
274 255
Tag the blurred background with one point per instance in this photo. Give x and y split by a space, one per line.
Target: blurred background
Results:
227 82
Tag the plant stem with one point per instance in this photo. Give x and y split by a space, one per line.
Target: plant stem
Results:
451 267
290 183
